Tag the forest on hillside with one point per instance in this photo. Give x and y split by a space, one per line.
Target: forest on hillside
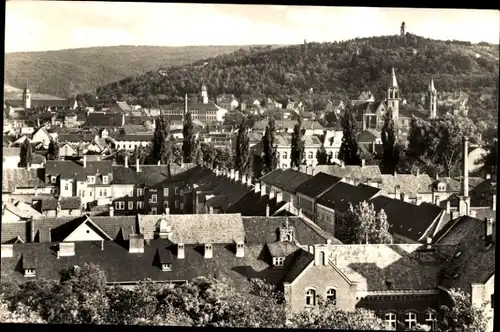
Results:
65 73
333 70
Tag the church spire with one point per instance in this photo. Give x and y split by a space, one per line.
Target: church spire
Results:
431 85
394 80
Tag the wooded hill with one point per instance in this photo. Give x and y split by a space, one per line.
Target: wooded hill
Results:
65 73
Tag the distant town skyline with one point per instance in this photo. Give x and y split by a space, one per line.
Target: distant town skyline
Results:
55 25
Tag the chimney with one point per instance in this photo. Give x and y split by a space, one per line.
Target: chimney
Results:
249 180
300 213
217 171
488 176
279 196
167 211
123 120
84 161
159 162
180 251
418 200
136 243
271 194
185 104
267 210
257 187
231 176
126 161
262 189
7 250
448 207
66 249
102 245
240 249
111 210
488 236
342 164
396 193
374 147
428 241
236 176
465 191
244 179
211 210
494 207
208 250
418 172
137 165
363 163
182 163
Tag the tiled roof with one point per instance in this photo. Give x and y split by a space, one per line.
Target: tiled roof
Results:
368 136
476 262
360 173
406 219
134 137
11 152
301 260
37 158
266 230
22 178
284 139
408 113
287 180
368 148
408 183
196 228
285 124
381 267
229 192
342 194
210 106
67 203
123 106
121 266
281 249
254 204
75 138
70 169
317 184
481 194
452 185
12 230
103 120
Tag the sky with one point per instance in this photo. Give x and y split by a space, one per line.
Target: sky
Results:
54 25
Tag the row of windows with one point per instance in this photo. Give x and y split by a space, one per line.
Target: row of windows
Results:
311 296
410 319
177 191
326 216
120 205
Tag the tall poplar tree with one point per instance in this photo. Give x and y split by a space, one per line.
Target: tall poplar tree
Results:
53 150
161 148
242 156
26 154
188 143
349 152
298 147
269 159
388 134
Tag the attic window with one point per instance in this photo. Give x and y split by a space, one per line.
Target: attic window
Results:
278 261
458 254
105 179
53 179
166 267
441 187
388 283
29 272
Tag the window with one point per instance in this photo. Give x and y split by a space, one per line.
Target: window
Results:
410 320
100 192
182 206
105 191
441 187
181 192
165 192
430 319
331 295
285 155
140 205
277 155
130 205
278 261
390 318
176 204
140 191
176 191
154 198
53 179
105 179
29 272
166 267
437 200
310 155
91 179
310 297
165 204
120 205
492 301
154 211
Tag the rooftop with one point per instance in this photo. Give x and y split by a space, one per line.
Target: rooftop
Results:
360 173
342 194
287 180
318 184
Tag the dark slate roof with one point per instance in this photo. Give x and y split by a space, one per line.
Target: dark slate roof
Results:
67 203
210 106
287 180
121 266
360 173
369 136
103 120
266 230
229 192
134 137
75 138
318 184
71 169
12 230
253 204
342 194
476 261
301 260
406 219
22 178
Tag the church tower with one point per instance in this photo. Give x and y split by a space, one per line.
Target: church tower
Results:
204 94
27 97
393 96
432 100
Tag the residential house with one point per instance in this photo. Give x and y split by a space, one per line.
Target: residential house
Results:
23 181
90 180
70 120
28 130
227 101
472 266
11 157
410 188
257 203
104 120
121 107
284 182
66 150
132 141
18 212
332 205
309 191
365 174
364 97
42 136
59 207
287 126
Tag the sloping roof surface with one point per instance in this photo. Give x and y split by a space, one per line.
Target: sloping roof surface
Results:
362 174
342 194
22 178
287 180
317 184
408 183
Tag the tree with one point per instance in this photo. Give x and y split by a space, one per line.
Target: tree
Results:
489 162
120 156
269 158
209 154
349 152
242 156
461 315
298 147
188 139
19 314
26 154
53 150
322 156
362 224
388 134
161 149
436 145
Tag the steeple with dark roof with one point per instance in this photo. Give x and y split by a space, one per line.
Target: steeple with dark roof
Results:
393 96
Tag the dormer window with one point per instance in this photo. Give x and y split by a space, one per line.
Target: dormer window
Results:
166 267
29 272
278 261
91 179
441 186
104 179
458 254
53 179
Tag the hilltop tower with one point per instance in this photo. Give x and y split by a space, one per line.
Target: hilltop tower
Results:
432 100
393 96
403 29
27 97
204 94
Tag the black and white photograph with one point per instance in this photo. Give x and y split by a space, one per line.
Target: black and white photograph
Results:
249 166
